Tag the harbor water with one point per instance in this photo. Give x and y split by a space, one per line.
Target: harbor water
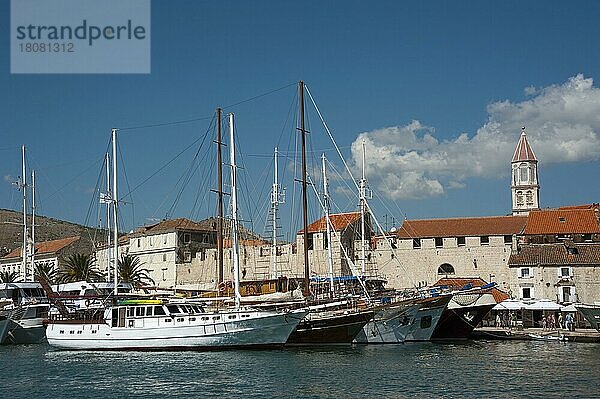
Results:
472 369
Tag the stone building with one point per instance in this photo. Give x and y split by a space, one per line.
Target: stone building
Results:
422 251
163 246
256 256
535 253
47 253
563 272
559 257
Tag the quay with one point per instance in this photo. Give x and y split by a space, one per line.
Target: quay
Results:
579 335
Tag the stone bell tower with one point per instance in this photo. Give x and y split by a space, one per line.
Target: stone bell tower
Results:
525 186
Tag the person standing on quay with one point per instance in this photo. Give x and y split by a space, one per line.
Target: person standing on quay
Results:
560 321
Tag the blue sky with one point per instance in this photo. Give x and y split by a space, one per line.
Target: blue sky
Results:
475 68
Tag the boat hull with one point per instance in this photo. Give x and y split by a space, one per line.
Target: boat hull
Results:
329 329
463 314
410 320
427 318
3 329
591 314
258 330
25 332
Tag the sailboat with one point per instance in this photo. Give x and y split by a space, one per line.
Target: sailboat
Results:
334 321
24 305
157 324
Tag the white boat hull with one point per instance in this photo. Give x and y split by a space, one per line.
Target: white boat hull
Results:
389 325
259 329
401 322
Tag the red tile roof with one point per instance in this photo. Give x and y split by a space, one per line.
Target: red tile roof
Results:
175 225
562 221
460 282
46 247
556 255
523 152
339 221
462 227
584 206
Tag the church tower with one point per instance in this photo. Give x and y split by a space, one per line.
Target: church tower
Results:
525 185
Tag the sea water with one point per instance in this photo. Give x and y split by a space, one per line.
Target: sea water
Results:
472 369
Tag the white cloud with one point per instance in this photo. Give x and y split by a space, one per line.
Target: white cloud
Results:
563 125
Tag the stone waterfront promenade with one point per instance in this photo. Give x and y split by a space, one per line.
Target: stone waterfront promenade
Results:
580 335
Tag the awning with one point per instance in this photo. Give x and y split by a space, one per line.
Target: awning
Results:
544 304
509 304
570 308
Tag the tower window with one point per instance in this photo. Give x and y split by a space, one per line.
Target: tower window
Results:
519 198
524 173
529 198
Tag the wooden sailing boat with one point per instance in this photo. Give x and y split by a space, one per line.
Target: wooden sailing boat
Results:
154 324
335 321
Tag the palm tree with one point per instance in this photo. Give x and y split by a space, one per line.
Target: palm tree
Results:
78 267
45 271
8 277
131 271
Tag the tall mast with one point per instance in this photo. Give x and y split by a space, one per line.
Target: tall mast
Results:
33 225
234 215
114 201
220 202
108 206
329 243
362 193
23 187
274 205
304 199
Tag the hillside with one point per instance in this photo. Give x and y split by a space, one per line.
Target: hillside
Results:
11 231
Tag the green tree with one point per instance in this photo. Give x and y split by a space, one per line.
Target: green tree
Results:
45 271
78 267
8 277
131 271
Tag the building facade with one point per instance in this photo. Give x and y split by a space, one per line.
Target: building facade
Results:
47 254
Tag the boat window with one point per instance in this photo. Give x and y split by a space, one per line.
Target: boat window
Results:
180 319
232 317
89 292
168 320
159 311
173 309
129 312
140 311
204 318
149 311
192 319
115 317
216 317
425 321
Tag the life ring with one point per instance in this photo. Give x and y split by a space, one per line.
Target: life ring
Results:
87 303
221 287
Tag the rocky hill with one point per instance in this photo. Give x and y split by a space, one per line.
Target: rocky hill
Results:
11 231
